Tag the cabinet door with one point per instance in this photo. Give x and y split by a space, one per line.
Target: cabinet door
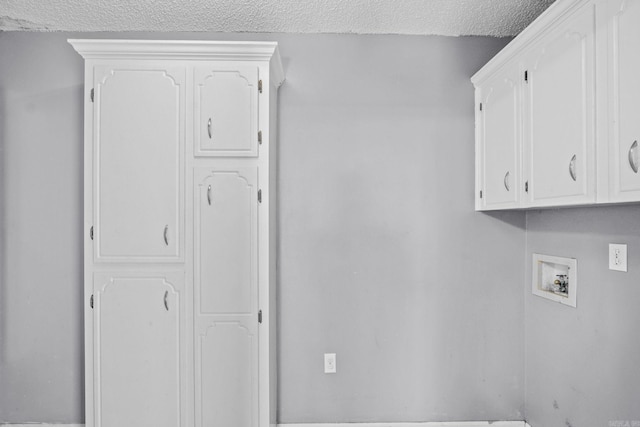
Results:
139 134
560 117
500 141
225 280
624 110
136 350
226 110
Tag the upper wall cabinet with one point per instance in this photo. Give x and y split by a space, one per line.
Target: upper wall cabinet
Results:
578 84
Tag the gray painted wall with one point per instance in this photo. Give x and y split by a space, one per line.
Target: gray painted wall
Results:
41 342
583 363
382 259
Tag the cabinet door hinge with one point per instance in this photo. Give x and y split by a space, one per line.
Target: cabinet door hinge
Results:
259 196
526 76
260 137
259 316
92 93
481 194
526 187
260 86
481 106
91 301
91 232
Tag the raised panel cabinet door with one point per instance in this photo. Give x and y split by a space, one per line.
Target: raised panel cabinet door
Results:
227 374
137 350
226 292
500 141
624 81
560 123
139 134
226 109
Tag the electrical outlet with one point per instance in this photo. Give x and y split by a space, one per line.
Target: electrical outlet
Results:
329 363
617 257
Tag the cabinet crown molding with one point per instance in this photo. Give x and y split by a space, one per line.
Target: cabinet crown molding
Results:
188 50
547 20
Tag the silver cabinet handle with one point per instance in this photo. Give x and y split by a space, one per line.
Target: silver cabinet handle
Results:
166 304
209 127
166 235
633 156
209 195
506 181
572 168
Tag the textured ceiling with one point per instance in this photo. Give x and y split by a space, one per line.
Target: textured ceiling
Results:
427 17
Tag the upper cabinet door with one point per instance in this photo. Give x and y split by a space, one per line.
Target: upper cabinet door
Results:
226 110
559 90
138 151
499 141
624 85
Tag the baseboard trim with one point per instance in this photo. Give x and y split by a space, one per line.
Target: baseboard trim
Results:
428 424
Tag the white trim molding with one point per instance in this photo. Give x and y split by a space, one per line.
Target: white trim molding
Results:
189 50
427 424
551 17
34 424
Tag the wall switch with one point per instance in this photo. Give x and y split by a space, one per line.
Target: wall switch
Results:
617 257
329 363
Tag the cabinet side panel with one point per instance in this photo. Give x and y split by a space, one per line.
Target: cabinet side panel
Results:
273 255
89 373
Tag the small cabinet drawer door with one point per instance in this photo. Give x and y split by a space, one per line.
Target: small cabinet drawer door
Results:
138 146
560 100
624 79
226 110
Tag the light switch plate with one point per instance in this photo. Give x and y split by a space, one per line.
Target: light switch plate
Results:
618 257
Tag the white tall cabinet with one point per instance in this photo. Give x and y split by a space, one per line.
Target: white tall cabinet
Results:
180 232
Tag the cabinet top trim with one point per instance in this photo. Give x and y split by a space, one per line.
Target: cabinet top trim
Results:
188 50
546 21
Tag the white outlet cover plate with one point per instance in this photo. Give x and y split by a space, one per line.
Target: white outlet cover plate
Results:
329 363
618 257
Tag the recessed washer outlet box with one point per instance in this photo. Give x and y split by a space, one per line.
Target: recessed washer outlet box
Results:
555 278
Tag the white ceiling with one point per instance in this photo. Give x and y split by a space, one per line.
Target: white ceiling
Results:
425 17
